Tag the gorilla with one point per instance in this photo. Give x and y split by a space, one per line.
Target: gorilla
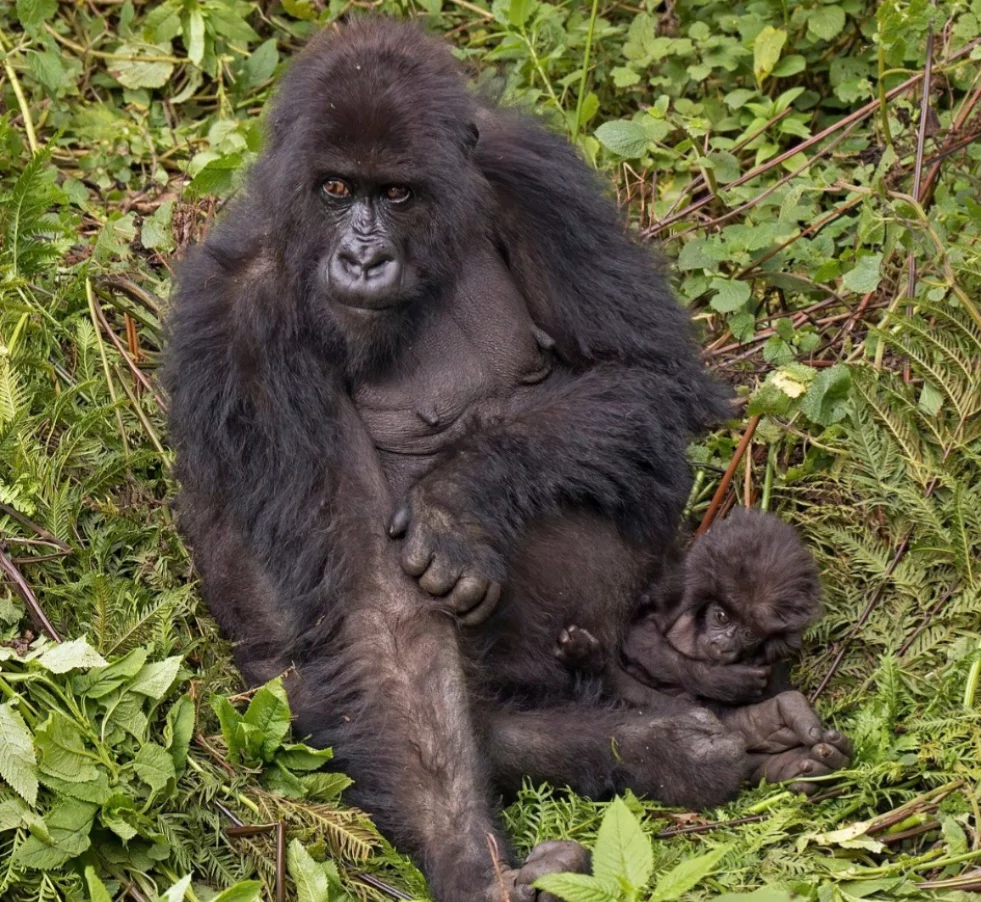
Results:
721 622
430 403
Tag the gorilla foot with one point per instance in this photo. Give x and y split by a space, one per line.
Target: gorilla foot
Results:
579 649
552 857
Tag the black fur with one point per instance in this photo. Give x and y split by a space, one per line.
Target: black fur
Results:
526 406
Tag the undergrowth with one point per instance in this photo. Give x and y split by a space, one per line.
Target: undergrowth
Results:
822 210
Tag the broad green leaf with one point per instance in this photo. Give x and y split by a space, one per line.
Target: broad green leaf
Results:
62 752
48 69
826 22
693 256
154 766
74 655
686 875
579 888
229 719
519 11
178 731
217 177
246 891
325 787
622 850
68 824
107 679
931 400
177 892
156 230
625 138
309 876
269 712
34 13
95 790
624 77
301 757
865 276
261 64
766 51
18 764
730 295
155 679
826 401
300 9
143 67
97 889
725 166
763 894
227 21
12 813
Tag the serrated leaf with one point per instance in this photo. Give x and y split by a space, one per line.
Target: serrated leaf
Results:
826 22
155 679
626 138
68 824
154 766
686 875
12 813
269 712
246 891
95 791
325 787
34 13
74 655
622 852
579 888
766 51
143 67
730 295
61 751
309 876
18 763
865 276
97 889
693 256
826 401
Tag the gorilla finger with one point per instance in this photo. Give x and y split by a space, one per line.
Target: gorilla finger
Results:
829 756
796 713
484 608
553 857
440 576
400 520
841 742
417 554
467 593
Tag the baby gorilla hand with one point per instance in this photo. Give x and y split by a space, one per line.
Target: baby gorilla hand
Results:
733 684
448 551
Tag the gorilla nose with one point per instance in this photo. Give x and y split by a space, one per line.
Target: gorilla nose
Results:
365 275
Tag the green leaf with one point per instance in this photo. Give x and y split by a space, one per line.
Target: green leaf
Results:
68 825
12 814
579 888
178 731
18 764
139 72
155 679
622 852
226 21
931 400
34 13
269 712
766 51
301 757
309 876
693 256
97 889
246 891
261 64
156 231
48 69
624 77
61 751
865 276
95 791
686 875
519 11
217 176
730 295
826 22
194 35
624 137
325 787
229 719
826 401
101 682
763 894
154 766
177 892
74 655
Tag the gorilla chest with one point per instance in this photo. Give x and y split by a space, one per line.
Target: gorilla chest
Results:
481 358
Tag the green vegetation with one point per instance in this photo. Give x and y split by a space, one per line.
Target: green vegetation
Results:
824 213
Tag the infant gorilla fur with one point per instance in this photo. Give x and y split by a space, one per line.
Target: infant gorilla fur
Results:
717 619
430 402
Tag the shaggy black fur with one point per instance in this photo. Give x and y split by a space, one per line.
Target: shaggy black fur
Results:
426 306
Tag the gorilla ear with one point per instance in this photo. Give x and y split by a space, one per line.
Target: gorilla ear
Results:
471 139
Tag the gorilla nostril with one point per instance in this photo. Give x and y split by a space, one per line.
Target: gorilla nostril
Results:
377 263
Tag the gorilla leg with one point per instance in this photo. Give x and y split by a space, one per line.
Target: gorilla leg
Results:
676 753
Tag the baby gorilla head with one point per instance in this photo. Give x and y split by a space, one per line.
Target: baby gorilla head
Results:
749 589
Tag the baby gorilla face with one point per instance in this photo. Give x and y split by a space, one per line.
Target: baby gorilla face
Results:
712 633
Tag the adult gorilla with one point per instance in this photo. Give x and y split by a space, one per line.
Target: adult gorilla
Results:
430 405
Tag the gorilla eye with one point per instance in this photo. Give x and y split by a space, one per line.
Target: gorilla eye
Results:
336 188
721 617
397 194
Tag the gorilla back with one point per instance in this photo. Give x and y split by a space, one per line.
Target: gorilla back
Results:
430 404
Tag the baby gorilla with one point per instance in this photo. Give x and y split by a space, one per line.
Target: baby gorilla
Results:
716 621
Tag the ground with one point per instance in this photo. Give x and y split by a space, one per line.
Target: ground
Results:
823 221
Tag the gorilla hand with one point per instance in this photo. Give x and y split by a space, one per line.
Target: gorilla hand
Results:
552 857
448 550
785 739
